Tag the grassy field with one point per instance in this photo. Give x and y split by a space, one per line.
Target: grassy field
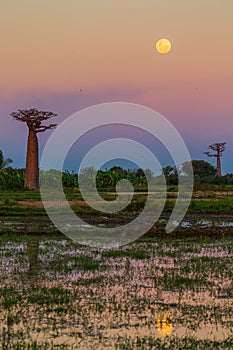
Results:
29 202
160 292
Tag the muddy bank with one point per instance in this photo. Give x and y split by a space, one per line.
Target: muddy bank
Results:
207 225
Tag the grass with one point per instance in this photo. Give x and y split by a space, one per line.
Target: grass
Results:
133 254
66 264
10 204
79 295
21 345
187 343
48 296
212 206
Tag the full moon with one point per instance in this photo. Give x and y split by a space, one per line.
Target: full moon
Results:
163 46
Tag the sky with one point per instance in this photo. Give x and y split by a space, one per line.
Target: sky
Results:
64 56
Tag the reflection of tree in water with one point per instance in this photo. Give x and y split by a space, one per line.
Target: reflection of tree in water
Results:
33 252
164 323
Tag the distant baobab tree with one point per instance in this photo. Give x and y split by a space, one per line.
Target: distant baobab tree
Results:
218 148
34 120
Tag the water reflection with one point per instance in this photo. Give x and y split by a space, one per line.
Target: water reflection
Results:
80 295
33 253
164 323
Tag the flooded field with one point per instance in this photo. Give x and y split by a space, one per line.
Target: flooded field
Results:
154 294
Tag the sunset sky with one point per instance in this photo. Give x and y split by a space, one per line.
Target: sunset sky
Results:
52 49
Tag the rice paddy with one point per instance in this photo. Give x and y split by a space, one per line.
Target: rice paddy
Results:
160 292
156 293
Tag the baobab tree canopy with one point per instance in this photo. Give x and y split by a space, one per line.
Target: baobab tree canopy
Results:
34 120
218 147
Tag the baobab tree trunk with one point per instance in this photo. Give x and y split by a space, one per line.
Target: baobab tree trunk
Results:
32 167
219 172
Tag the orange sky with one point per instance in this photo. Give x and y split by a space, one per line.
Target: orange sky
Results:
64 45
52 49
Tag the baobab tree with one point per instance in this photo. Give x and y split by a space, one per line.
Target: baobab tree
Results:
34 120
218 148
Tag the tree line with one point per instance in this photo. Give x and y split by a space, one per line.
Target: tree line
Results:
11 178
204 174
